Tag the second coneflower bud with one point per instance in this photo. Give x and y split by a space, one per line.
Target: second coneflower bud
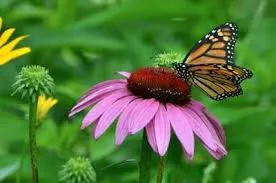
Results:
167 59
33 81
78 170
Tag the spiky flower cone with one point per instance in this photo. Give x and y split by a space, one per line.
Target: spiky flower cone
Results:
33 81
78 170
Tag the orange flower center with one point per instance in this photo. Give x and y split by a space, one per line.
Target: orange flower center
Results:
163 84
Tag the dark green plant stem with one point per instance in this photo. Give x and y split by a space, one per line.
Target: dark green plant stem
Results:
32 136
145 160
160 169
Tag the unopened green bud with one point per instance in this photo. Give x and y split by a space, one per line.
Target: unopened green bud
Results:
78 170
168 59
33 81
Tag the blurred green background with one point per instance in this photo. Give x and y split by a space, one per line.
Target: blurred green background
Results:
83 42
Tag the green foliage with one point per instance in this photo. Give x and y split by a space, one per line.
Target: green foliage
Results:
9 170
84 42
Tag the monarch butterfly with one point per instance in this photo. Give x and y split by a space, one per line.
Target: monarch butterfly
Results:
210 66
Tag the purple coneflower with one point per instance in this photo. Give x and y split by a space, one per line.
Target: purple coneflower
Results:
159 101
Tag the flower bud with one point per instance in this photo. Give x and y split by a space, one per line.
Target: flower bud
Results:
167 59
78 170
33 81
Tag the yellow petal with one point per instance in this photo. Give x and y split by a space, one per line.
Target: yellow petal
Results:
10 46
44 105
41 100
41 107
14 54
53 102
1 21
5 36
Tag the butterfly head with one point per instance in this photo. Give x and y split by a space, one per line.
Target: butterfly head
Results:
181 69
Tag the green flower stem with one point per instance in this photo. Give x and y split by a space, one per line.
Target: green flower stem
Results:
32 135
160 170
145 161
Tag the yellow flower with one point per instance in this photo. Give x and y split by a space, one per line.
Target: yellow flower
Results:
7 52
44 105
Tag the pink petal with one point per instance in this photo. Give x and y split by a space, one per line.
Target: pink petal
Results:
182 129
108 83
102 106
124 74
216 125
218 154
94 127
111 114
199 128
221 149
198 109
142 114
122 125
151 136
99 93
197 105
78 109
162 130
102 85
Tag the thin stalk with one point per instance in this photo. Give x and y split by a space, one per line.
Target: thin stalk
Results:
145 160
160 169
32 136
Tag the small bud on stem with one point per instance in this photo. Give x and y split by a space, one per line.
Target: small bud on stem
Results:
78 170
168 59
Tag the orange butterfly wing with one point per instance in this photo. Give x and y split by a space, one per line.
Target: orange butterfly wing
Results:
210 65
216 47
234 73
217 81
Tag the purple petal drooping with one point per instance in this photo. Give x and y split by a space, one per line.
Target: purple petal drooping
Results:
199 128
162 130
122 125
99 93
197 108
111 114
151 136
79 108
101 107
102 85
124 74
142 114
182 129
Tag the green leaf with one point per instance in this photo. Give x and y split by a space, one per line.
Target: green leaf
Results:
103 146
8 170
